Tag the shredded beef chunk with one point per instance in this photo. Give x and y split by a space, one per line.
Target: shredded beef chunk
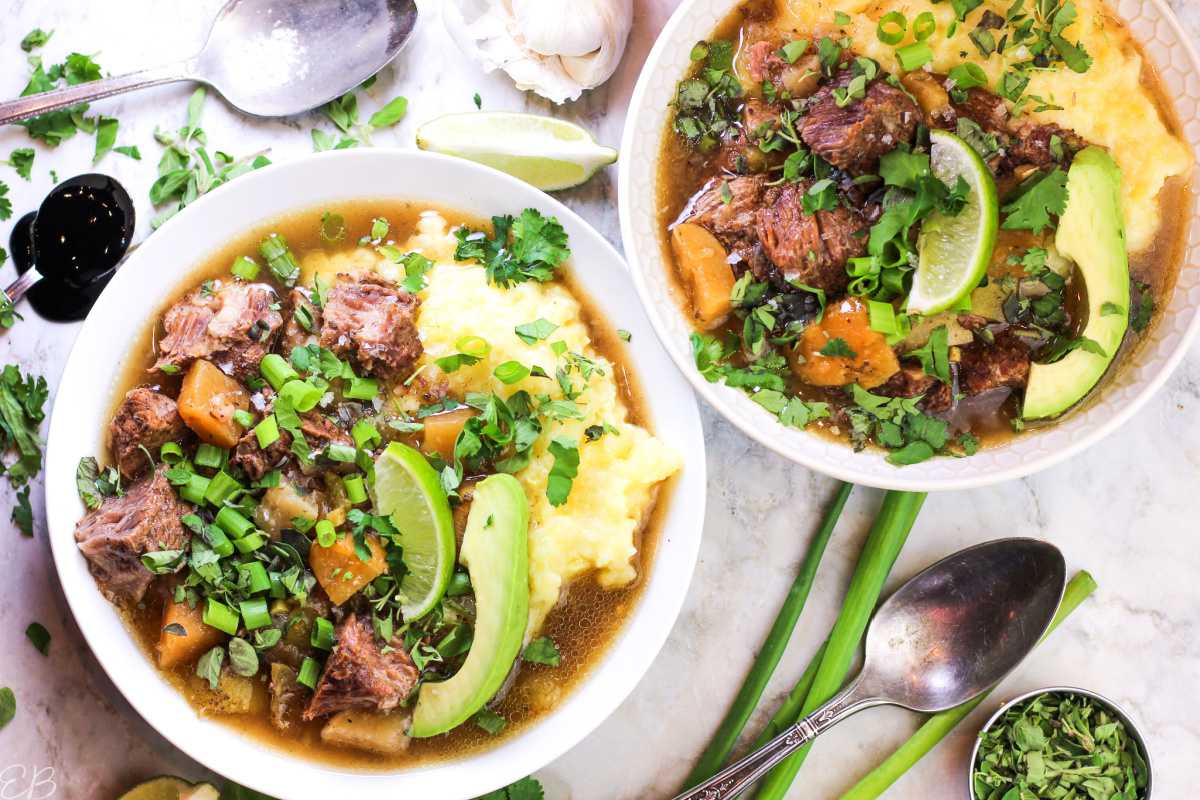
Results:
233 327
799 78
911 382
302 324
369 321
990 366
146 419
808 249
733 223
853 137
359 674
115 536
758 117
1042 145
319 432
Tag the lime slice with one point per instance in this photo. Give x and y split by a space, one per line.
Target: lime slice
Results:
408 488
167 787
954 252
548 153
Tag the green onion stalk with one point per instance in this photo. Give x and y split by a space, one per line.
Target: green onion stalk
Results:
895 520
939 725
772 650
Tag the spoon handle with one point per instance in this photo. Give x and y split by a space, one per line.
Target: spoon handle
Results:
730 782
35 104
20 286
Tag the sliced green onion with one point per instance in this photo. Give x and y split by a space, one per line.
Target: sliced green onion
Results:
326 535
882 317
473 346
278 590
924 26
220 616
892 37
340 452
259 582
362 388
254 612
913 56
209 455
365 435
171 453
333 227
245 268
220 488
193 491
511 372
267 431
322 634
302 394
233 523
309 672
250 542
460 584
966 75
355 491
285 266
243 418
276 370
218 541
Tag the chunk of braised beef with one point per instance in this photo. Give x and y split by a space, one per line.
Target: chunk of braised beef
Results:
370 321
1004 362
811 250
359 674
319 432
1042 145
303 325
732 222
758 117
798 78
911 382
146 419
233 326
853 137
114 537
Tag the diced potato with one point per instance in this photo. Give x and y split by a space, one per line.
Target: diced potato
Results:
873 363
199 640
234 694
284 695
339 570
441 431
956 334
280 505
207 401
926 89
381 731
709 278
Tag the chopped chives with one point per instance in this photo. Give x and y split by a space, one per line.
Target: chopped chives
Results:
475 346
209 455
924 26
259 582
250 542
362 388
511 372
322 634
193 491
280 259
276 371
254 612
894 35
233 523
220 616
326 535
218 541
302 395
340 452
243 418
171 453
913 56
267 431
365 435
309 672
245 268
220 488
355 491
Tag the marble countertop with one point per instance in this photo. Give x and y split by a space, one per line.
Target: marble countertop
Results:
1122 510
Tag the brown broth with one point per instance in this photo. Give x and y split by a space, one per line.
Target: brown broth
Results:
589 617
681 173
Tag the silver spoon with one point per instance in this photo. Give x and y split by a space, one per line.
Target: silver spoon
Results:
269 58
941 640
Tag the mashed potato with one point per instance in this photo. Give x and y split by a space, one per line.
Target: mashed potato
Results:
595 529
1107 105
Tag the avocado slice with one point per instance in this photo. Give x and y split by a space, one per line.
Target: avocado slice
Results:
495 550
1091 232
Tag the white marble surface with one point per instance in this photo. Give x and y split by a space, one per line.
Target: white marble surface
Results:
1123 510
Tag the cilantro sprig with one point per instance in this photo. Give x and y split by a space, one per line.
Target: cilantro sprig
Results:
526 248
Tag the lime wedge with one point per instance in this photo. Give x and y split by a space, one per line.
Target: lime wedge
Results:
408 488
548 153
167 787
954 252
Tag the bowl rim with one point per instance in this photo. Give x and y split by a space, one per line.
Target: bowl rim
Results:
723 398
1130 724
244 759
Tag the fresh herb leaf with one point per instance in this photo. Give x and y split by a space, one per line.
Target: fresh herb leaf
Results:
529 247
969 442
533 332
21 160
1109 309
106 136
36 38
21 400
489 720
243 660
1031 204
837 347
209 666
8 706
566 467
1143 311
40 637
22 513
935 355
542 651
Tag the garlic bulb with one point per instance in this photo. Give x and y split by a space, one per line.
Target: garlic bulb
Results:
557 48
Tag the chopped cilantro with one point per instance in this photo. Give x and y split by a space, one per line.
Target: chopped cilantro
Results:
542 651
1031 204
22 513
529 247
22 398
21 160
837 348
566 467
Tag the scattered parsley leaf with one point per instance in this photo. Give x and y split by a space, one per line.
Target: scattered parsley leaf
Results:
969 442
209 666
22 513
533 332
1031 204
489 720
542 651
243 660
8 706
1110 308
106 136
529 247
21 160
837 348
478 101
416 268
40 637
21 400
35 38
566 467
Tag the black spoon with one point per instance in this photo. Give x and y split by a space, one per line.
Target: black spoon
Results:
69 250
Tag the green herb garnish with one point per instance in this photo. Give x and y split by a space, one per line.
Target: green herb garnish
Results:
37 633
529 247
21 400
542 651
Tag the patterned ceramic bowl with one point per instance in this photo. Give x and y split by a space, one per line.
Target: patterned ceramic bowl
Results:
1165 42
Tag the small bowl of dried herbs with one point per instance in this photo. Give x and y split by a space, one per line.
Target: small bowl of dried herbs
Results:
1060 742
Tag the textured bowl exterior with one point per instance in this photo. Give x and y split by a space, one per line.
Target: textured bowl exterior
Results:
1165 43
96 363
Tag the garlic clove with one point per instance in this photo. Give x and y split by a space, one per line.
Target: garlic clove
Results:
560 27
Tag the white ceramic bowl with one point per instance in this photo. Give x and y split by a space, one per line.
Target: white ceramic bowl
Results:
1170 48
154 271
